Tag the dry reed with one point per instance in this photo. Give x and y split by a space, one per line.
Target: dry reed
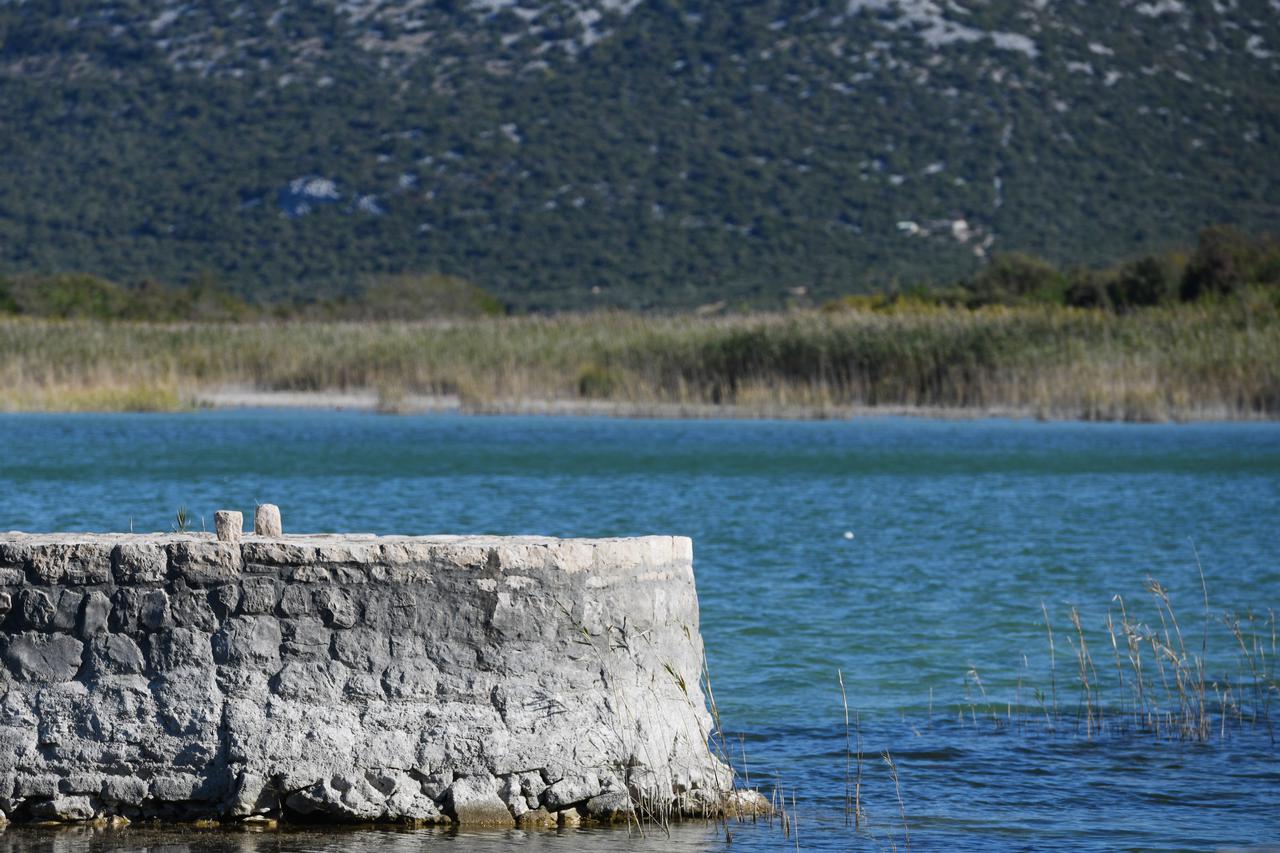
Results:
1182 361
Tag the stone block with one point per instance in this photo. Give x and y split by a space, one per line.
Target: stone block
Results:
81 783
310 681
404 801
296 600
67 612
259 595
411 679
474 802
267 555
509 793
305 638
134 610
228 525
190 608
224 599
139 563
253 794
14 555
174 788
337 608
39 786
175 648
36 608
436 783
349 797
44 657
571 790
204 562
94 614
538 818
266 520
610 807
71 563
66 809
124 790
249 641
115 654
362 649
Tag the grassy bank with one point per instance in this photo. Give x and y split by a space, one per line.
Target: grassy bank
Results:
1215 359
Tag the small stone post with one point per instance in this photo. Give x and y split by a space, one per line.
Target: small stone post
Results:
229 524
266 520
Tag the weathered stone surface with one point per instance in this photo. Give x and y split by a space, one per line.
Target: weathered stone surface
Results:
266 520
94 614
228 525
349 678
571 790
259 595
406 802
537 819
249 640
115 654
44 657
36 607
137 609
71 562
473 801
204 560
337 608
140 562
611 807
190 608
253 795
124 790
69 809
180 647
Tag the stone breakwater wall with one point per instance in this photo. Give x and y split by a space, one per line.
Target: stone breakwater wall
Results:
482 681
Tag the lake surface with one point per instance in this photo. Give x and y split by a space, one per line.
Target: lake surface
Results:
913 556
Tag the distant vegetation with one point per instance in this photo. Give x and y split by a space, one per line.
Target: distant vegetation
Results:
694 153
1224 262
1186 334
83 296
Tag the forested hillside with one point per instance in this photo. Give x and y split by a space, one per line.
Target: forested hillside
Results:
637 153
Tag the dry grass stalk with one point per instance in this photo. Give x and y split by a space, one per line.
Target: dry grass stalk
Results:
1177 362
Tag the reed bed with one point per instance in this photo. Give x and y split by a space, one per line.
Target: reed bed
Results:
1150 677
1186 361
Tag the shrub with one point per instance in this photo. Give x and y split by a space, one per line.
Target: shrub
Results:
1220 264
1140 283
419 297
1086 289
1013 278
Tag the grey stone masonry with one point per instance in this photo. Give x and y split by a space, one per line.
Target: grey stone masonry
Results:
478 680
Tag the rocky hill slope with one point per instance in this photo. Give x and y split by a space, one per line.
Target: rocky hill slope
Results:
571 153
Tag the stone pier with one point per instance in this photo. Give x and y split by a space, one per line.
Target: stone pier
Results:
474 680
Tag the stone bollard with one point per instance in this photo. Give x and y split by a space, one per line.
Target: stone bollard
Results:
266 520
229 524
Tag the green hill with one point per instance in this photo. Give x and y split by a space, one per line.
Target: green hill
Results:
638 153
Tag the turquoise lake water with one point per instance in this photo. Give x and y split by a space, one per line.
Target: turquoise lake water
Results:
911 555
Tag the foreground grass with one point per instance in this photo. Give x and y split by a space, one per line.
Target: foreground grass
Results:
1184 361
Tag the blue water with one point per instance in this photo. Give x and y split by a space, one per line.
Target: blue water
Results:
912 556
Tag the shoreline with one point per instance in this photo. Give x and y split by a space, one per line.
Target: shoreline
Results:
1181 363
369 400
